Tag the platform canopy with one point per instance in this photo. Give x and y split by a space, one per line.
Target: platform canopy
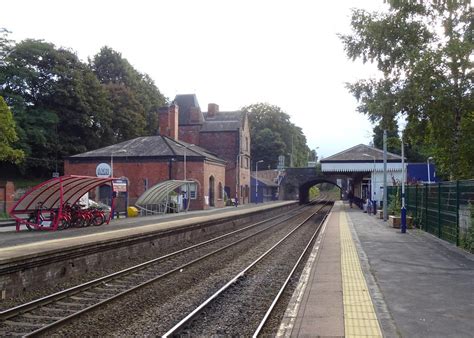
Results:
58 191
158 194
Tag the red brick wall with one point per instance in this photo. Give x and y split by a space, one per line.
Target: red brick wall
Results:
7 194
218 172
195 171
190 133
271 174
155 172
173 121
245 149
168 121
225 145
135 172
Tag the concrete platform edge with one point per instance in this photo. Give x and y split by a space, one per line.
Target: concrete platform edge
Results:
386 321
291 315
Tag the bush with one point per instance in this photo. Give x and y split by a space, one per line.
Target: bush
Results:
395 205
466 240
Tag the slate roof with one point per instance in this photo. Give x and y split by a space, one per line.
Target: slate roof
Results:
220 121
209 126
151 147
356 154
224 116
223 121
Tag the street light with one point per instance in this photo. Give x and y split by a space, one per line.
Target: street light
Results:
428 168
403 227
237 174
112 160
256 180
185 147
374 185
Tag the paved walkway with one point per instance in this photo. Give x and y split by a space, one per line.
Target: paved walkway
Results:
427 285
365 279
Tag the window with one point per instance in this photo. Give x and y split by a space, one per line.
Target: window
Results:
145 183
220 191
192 190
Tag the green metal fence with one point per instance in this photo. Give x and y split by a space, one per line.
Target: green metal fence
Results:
444 209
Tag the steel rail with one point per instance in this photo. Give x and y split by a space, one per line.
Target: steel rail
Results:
290 275
242 273
36 304
6 314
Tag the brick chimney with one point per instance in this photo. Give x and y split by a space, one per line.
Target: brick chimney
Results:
168 121
212 109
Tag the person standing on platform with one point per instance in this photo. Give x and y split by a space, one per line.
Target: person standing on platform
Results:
350 196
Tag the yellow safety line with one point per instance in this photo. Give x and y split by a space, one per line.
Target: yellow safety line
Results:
360 319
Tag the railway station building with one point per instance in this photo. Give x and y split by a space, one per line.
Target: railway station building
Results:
213 146
361 170
146 161
224 133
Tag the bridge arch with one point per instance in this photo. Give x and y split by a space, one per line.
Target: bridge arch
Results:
304 188
297 182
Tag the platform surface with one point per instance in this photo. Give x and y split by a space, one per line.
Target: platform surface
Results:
23 244
366 279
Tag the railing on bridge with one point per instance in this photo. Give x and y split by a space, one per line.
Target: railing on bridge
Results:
444 209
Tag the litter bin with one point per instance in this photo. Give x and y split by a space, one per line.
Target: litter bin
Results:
132 212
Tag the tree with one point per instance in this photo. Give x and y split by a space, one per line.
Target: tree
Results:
112 69
266 146
128 121
8 136
393 141
58 104
5 44
273 134
423 52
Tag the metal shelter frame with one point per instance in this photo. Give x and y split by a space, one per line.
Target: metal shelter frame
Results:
156 199
51 196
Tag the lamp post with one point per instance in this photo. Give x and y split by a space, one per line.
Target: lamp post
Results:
237 174
191 145
385 208
112 160
256 180
184 162
428 168
403 227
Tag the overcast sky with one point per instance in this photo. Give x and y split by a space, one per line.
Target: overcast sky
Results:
233 53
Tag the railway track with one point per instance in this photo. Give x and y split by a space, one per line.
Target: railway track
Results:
244 304
48 313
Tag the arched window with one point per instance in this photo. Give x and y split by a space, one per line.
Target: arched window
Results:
220 190
211 191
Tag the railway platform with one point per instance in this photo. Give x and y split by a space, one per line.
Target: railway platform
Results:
14 245
365 279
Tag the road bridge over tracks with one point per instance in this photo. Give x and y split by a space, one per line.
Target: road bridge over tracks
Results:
359 169
296 183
